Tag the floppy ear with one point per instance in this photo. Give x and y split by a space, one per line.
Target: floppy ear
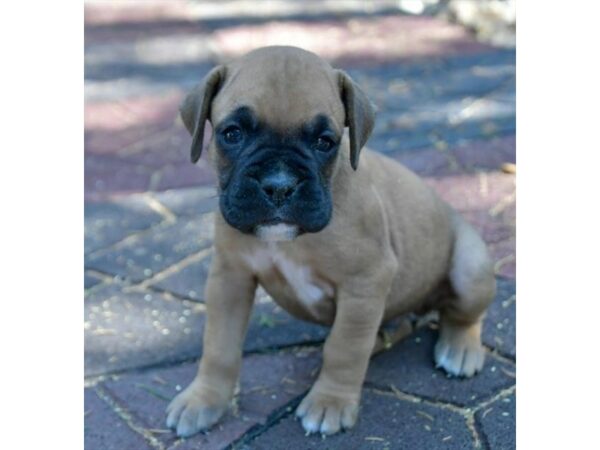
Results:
360 115
195 109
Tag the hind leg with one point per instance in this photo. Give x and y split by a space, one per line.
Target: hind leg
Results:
392 333
458 350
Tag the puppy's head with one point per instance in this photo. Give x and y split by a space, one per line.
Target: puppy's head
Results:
278 117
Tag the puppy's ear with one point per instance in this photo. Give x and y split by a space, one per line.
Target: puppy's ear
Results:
195 109
360 115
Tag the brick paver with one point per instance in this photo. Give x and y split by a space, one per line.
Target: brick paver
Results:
446 110
105 429
386 422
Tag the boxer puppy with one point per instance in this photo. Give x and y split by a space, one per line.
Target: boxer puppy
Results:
335 233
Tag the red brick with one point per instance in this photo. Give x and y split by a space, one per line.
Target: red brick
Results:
111 127
477 191
268 382
429 162
121 114
106 175
114 12
102 142
489 154
492 229
105 430
504 254
184 175
171 146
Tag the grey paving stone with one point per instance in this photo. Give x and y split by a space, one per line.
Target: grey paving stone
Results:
409 367
109 222
149 253
385 422
104 429
90 281
189 202
445 77
499 60
432 112
188 282
268 383
499 329
126 330
442 101
433 134
390 142
271 327
498 422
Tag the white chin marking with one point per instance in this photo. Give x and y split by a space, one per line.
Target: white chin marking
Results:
277 233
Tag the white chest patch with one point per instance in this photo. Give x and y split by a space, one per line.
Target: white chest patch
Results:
277 233
299 277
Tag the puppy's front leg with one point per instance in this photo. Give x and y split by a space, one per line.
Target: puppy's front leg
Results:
229 297
333 401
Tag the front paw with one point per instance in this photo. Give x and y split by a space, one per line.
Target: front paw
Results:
194 410
459 358
326 413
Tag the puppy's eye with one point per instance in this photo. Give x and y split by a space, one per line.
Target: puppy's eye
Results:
232 135
323 144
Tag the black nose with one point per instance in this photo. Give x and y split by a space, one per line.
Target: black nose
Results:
279 187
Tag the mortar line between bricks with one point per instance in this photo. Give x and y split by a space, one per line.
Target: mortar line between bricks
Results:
273 420
92 380
126 417
170 270
394 391
404 396
130 237
104 277
196 305
169 218
503 203
468 414
107 280
501 356
470 423
136 286
502 261
173 295
503 393
159 207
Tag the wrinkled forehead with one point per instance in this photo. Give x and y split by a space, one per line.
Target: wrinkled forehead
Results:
284 92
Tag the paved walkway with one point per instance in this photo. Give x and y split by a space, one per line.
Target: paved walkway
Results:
446 110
